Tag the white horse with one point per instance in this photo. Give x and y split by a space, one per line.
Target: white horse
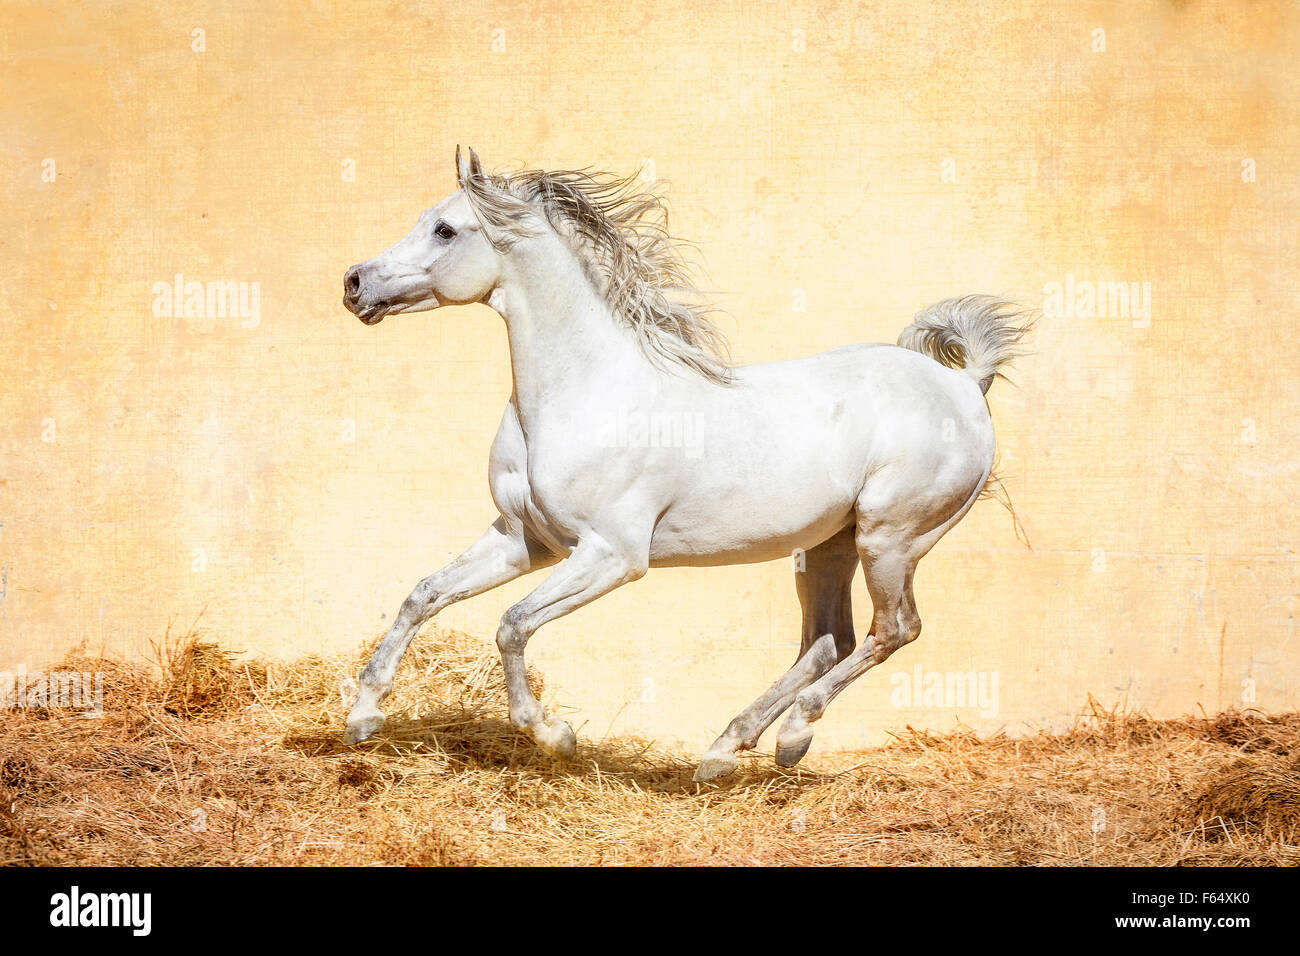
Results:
864 454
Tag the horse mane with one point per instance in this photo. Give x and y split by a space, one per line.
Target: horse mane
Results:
618 228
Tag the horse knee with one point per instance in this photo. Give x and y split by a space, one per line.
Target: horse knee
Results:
420 600
635 569
511 634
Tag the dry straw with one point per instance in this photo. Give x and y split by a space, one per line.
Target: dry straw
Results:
210 759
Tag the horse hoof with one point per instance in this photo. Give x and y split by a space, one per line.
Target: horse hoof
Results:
362 726
716 765
791 747
556 738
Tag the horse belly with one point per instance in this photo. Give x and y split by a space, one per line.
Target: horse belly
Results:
760 511
675 547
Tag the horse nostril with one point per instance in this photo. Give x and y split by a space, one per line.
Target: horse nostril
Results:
353 282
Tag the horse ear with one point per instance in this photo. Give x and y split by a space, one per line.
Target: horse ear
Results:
475 167
463 171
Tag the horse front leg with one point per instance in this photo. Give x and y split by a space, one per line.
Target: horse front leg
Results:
595 567
500 555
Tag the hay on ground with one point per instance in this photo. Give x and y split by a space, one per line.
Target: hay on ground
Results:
211 759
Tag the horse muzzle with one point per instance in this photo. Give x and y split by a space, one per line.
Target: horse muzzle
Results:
371 312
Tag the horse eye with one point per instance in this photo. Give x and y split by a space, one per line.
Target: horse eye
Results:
444 231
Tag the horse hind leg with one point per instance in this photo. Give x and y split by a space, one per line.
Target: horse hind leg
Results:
895 622
889 547
823 586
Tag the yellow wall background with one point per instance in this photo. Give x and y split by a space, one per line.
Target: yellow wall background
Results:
865 159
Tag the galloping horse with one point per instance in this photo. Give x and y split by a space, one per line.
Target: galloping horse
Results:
866 454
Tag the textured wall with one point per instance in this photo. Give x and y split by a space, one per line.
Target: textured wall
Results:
291 473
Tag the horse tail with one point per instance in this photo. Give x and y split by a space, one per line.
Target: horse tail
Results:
978 334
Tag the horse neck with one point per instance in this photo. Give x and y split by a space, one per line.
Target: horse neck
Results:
562 333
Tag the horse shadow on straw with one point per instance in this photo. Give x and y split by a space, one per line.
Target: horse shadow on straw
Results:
476 741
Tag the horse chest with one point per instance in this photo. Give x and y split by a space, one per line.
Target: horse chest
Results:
538 484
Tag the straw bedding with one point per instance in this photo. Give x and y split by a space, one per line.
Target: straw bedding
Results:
208 758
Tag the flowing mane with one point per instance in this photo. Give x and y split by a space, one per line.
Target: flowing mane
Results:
619 231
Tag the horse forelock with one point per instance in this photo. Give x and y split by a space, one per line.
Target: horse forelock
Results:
618 228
